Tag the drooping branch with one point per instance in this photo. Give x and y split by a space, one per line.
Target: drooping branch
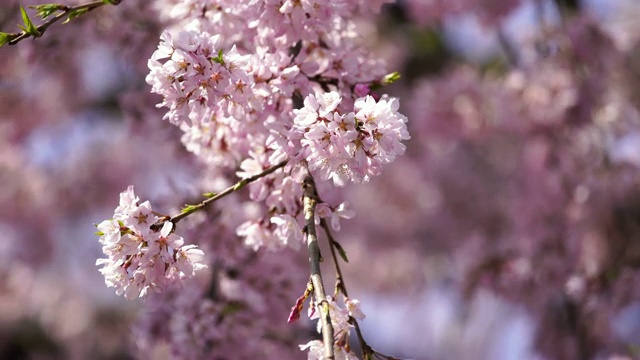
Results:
367 351
340 285
310 201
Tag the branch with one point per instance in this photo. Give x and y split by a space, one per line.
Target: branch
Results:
64 10
190 209
310 201
367 351
510 52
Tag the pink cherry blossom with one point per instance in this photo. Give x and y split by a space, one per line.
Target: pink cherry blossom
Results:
352 146
140 259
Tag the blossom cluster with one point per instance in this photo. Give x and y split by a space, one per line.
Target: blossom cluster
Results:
523 179
140 259
234 98
280 83
228 94
342 325
235 307
352 146
209 92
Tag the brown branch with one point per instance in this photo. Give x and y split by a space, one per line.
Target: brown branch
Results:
367 350
310 200
190 209
64 11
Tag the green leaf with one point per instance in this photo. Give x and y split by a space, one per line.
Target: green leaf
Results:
28 27
188 208
5 38
240 185
76 13
98 233
209 194
390 78
218 58
45 10
112 2
343 254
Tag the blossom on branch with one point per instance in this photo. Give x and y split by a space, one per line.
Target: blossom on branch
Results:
140 259
353 146
340 320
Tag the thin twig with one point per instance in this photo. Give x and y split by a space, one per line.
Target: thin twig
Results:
310 201
239 185
64 11
339 278
367 350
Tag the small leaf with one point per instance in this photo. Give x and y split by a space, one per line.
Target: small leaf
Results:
25 16
28 27
76 13
218 58
240 185
209 194
45 10
5 38
386 80
390 78
343 254
98 233
188 208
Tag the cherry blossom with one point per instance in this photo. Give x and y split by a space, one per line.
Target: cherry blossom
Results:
520 182
352 146
140 259
340 320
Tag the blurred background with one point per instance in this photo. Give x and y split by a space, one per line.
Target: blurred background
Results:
509 230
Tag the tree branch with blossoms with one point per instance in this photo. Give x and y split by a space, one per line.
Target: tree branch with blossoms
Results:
46 11
340 285
236 103
280 98
310 201
143 252
140 258
212 197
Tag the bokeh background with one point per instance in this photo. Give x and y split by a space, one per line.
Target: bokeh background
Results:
509 230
